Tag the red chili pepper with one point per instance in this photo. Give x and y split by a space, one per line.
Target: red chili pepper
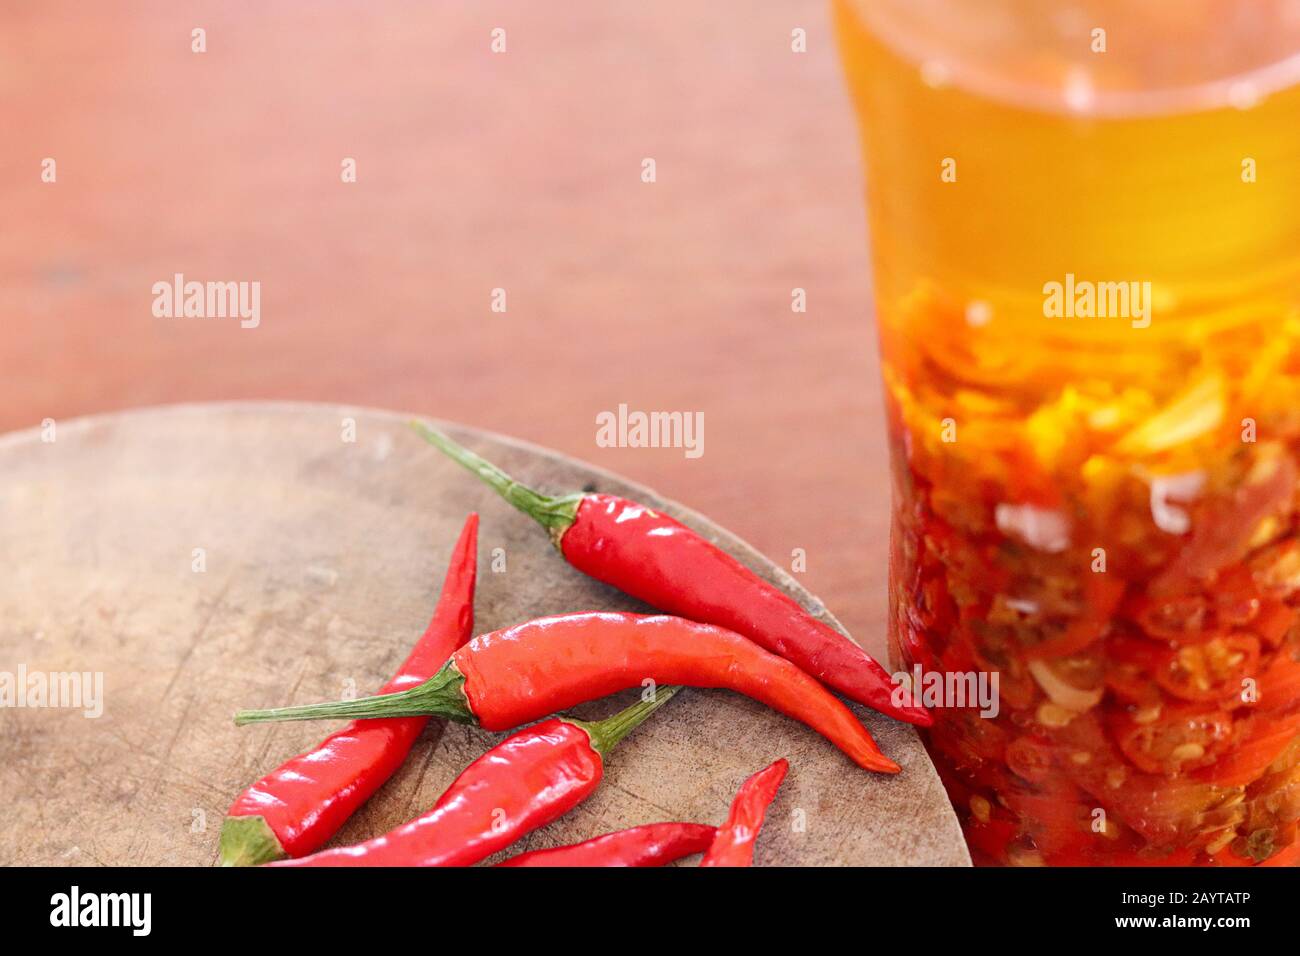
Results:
1031 759
734 843
1279 684
654 844
1269 736
297 807
1181 738
526 781
666 564
509 677
1273 621
1213 671
1102 595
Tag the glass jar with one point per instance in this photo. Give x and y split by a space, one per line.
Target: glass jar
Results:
1085 228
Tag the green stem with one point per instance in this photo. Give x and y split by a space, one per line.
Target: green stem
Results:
605 734
249 841
442 695
555 514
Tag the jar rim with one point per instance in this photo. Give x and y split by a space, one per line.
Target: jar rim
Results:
910 28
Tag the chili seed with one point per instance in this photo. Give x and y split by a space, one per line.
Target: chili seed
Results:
1054 715
1265 531
980 808
1018 856
1081 758
1147 715
1222 840
1185 752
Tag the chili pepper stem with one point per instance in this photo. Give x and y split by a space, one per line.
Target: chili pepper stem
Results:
605 734
555 514
442 695
249 841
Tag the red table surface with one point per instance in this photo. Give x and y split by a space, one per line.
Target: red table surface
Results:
475 171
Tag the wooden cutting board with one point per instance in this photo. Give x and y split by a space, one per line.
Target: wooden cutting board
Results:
319 565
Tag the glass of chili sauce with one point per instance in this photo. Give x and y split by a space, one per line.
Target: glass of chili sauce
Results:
1085 223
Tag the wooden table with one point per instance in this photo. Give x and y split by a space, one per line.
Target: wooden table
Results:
475 171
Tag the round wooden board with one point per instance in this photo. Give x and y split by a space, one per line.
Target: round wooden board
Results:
323 559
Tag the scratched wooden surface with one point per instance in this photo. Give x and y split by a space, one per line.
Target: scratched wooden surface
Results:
322 559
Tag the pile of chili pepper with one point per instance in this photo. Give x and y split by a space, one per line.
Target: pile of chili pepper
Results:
525 782
298 806
655 844
509 677
661 561
735 631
